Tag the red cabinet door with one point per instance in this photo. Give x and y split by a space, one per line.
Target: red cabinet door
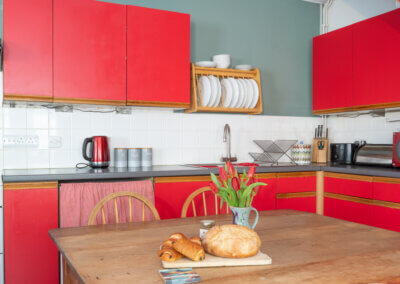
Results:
348 210
293 182
158 57
387 189
30 254
359 186
28 50
266 197
89 52
333 70
377 59
171 193
306 204
386 218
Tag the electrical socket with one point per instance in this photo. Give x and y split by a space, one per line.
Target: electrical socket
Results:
55 142
12 141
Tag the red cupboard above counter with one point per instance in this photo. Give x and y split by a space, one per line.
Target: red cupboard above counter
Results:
356 67
119 58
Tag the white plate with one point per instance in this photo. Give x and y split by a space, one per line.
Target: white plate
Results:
256 93
205 90
235 99
245 90
218 99
244 67
226 92
214 90
209 64
242 92
250 92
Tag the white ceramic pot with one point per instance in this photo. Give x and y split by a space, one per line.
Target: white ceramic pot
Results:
222 60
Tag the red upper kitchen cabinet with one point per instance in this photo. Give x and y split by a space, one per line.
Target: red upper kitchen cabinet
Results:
170 193
158 57
30 211
28 50
377 60
333 71
266 197
89 52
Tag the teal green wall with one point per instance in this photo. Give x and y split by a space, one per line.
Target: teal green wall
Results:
274 35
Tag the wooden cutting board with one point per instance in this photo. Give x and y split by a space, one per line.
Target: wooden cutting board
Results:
214 261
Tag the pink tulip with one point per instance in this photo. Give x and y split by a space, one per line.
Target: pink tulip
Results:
222 174
213 187
235 183
231 168
252 170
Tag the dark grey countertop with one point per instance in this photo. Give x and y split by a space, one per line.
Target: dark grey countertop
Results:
74 174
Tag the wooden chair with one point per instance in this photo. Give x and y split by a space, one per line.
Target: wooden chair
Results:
113 196
190 200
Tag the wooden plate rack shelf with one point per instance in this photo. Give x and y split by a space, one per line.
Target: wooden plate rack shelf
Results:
195 93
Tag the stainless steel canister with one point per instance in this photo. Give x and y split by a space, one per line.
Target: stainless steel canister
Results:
121 157
147 157
134 157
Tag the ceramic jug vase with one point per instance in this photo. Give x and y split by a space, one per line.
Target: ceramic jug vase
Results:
241 216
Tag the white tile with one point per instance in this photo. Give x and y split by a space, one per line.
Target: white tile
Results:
14 117
1 193
77 137
60 159
1 266
76 157
1 232
38 159
81 120
101 121
65 135
139 139
121 121
15 159
37 118
59 120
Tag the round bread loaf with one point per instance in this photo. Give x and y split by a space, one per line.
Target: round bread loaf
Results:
232 241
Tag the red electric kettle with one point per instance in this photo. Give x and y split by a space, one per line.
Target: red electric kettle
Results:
99 153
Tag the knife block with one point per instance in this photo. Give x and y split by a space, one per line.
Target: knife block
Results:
320 150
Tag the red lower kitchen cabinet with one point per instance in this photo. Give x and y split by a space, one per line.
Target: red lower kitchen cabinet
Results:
386 218
333 70
30 211
296 182
306 204
351 185
170 193
266 197
348 210
158 57
386 213
89 52
28 50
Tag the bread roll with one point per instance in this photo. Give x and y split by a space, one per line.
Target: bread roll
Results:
175 237
189 249
196 240
232 241
169 254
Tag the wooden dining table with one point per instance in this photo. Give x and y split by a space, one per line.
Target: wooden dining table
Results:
304 247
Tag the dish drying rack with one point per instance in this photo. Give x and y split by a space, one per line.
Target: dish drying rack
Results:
195 95
273 151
